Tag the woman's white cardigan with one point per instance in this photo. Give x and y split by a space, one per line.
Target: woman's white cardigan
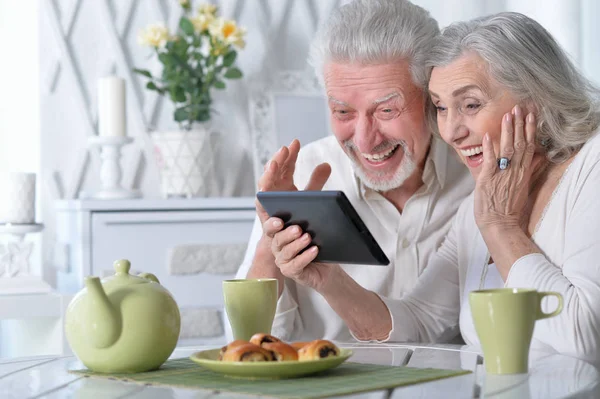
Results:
569 237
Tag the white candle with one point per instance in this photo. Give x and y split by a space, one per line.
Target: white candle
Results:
17 197
111 106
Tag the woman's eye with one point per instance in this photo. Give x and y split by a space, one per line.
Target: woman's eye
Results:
440 109
470 108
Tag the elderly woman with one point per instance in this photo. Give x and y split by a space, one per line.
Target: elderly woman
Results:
524 121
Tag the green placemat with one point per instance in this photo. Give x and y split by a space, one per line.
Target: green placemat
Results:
346 379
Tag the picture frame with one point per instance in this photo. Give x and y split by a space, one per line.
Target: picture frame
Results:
291 105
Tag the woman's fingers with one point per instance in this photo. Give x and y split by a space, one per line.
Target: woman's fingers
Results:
488 168
530 130
519 143
507 138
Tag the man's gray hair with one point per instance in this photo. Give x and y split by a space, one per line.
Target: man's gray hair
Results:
524 58
376 32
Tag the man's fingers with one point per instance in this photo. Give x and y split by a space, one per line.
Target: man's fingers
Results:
319 177
296 266
289 251
272 226
263 216
269 177
282 238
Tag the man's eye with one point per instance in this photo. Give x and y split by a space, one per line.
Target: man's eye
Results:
473 106
387 110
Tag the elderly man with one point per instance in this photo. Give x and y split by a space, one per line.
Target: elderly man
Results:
405 184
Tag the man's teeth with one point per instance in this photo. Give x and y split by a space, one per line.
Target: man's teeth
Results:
379 157
472 151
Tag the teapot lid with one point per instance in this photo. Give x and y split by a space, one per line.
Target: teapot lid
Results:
122 276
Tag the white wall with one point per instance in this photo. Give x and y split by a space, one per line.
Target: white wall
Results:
19 85
19 98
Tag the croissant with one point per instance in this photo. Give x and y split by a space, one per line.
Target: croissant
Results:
260 338
298 345
247 353
231 345
318 349
281 351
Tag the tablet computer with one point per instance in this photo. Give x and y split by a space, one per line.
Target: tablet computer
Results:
332 222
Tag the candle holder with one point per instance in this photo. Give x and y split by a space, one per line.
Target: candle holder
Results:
15 276
110 169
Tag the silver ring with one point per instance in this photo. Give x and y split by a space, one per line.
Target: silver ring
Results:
503 163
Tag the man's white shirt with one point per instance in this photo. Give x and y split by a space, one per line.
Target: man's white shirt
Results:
408 238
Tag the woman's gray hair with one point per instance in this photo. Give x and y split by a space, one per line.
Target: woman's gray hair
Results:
376 32
524 58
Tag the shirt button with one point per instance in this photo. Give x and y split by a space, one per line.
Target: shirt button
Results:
405 243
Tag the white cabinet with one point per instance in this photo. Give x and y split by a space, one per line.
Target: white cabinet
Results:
191 245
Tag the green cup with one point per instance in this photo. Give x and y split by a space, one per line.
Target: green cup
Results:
250 305
504 320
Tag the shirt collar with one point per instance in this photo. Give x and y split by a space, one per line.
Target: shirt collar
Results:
434 171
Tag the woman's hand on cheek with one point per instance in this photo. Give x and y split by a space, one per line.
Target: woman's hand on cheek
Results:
501 194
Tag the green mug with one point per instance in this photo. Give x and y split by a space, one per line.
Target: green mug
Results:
250 305
504 319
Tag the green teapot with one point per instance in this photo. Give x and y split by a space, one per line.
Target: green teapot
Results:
124 323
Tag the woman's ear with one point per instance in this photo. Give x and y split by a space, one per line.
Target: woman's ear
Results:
530 106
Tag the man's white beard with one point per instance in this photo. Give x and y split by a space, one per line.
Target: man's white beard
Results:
381 183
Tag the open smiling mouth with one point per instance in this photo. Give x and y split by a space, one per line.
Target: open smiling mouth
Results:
474 155
381 157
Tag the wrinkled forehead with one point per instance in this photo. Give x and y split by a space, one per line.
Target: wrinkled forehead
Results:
468 71
375 82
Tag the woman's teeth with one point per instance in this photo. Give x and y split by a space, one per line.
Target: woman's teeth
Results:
382 156
472 151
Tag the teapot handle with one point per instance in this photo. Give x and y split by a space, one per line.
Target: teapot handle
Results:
149 276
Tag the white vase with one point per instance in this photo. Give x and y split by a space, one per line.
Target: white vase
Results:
185 161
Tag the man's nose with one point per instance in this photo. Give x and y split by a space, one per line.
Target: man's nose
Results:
364 136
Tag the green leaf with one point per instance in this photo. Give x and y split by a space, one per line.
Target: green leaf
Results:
181 114
219 84
203 116
229 59
186 26
166 58
180 48
177 94
233 73
152 86
143 72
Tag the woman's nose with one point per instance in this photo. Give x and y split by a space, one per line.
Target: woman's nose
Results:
454 129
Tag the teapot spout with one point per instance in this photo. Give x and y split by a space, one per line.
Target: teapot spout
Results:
103 323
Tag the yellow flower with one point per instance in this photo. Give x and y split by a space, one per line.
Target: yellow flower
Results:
154 35
228 32
207 9
201 22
